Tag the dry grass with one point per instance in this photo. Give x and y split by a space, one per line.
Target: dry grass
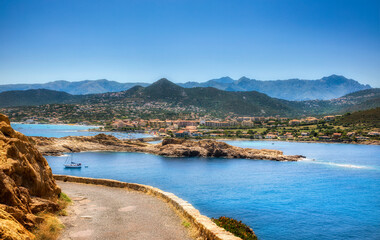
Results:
50 228
63 202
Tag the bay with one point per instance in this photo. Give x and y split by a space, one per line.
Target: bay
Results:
333 194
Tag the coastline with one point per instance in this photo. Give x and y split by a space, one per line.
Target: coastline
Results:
97 129
60 124
173 147
370 142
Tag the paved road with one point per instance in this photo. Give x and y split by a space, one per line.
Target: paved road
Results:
100 212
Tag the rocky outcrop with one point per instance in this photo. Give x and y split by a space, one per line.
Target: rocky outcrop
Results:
211 148
10 228
27 185
172 147
101 142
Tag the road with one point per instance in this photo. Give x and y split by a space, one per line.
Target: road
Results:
100 212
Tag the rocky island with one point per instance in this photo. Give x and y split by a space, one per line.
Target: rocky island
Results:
171 147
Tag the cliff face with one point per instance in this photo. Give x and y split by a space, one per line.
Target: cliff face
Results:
26 181
169 147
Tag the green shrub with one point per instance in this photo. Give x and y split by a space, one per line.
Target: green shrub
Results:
238 228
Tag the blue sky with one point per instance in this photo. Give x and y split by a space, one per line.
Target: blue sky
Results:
188 40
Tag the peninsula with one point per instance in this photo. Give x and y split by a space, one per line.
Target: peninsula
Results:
170 147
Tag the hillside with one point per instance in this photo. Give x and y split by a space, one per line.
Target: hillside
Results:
210 99
242 103
330 87
34 97
369 118
360 100
75 88
164 98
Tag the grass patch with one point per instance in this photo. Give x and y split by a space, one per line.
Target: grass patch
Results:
50 228
64 197
186 224
63 201
238 228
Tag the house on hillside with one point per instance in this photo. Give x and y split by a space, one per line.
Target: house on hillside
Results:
182 134
328 118
294 122
270 136
336 135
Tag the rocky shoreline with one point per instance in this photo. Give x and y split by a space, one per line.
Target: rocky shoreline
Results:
367 142
168 147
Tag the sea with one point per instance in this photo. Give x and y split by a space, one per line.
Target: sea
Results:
64 130
333 194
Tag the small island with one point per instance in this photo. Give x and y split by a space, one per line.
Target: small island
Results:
170 147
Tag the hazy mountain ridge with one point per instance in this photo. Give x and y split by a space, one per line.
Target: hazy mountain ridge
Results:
326 88
76 88
210 99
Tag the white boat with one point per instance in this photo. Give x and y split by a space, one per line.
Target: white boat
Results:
69 163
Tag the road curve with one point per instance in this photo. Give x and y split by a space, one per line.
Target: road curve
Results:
100 212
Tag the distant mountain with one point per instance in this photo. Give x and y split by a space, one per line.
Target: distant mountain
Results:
326 88
213 101
293 89
75 88
35 97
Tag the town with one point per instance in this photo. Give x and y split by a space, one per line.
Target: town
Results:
308 129
274 128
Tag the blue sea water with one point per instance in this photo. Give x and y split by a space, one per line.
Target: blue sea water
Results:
63 130
334 196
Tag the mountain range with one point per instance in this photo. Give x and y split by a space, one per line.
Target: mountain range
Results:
209 99
75 88
326 88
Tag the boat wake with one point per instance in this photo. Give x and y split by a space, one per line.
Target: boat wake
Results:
344 165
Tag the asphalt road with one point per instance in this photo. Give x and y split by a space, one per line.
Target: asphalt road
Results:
100 212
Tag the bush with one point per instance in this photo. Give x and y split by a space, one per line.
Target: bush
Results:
238 228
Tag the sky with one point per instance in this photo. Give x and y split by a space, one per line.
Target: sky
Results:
188 40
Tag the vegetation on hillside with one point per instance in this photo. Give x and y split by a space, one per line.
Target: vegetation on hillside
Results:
370 118
238 228
164 99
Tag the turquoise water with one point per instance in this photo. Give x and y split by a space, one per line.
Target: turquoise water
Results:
56 130
336 196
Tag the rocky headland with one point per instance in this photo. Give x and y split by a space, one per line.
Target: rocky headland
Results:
168 147
27 186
